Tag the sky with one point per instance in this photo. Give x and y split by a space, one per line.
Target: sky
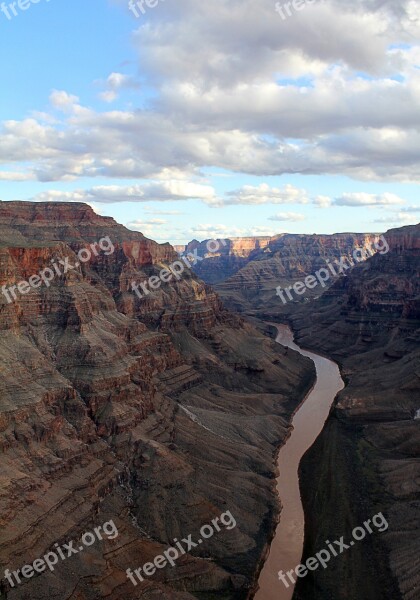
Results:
184 119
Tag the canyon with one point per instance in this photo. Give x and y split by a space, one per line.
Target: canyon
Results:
245 272
159 413
234 253
366 459
165 411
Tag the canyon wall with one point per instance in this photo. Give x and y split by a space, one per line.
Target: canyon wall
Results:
233 254
160 412
367 458
248 282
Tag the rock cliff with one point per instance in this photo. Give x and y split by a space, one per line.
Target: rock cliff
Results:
159 412
367 458
233 254
247 279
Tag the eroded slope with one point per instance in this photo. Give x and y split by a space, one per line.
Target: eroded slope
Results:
159 413
367 459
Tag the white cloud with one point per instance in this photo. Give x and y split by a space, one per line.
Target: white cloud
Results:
164 191
175 190
262 44
15 176
287 216
363 199
212 231
323 201
114 83
400 218
154 211
321 93
140 223
108 96
145 144
264 194
62 100
411 209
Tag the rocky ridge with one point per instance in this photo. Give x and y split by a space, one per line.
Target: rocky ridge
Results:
367 458
159 412
233 254
248 284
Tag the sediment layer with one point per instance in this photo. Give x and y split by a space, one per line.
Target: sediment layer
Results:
367 458
159 412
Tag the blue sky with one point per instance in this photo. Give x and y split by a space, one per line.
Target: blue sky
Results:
202 121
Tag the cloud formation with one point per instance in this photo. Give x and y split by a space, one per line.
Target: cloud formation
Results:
363 199
287 216
264 194
163 191
236 88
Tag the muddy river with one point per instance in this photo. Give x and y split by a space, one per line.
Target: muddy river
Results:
287 546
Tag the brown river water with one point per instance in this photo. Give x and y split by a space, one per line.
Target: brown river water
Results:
287 546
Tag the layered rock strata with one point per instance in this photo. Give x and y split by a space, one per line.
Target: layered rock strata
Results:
367 458
230 257
159 412
247 281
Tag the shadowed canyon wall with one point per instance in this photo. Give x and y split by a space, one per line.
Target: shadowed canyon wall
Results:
248 282
234 253
367 458
159 412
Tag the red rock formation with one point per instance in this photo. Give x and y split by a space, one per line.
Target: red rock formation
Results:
233 254
248 283
366 460
159 413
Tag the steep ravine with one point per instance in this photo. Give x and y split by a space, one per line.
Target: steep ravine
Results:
367 458
97 390
246 271
287 546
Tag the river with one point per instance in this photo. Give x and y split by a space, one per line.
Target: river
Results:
287 546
